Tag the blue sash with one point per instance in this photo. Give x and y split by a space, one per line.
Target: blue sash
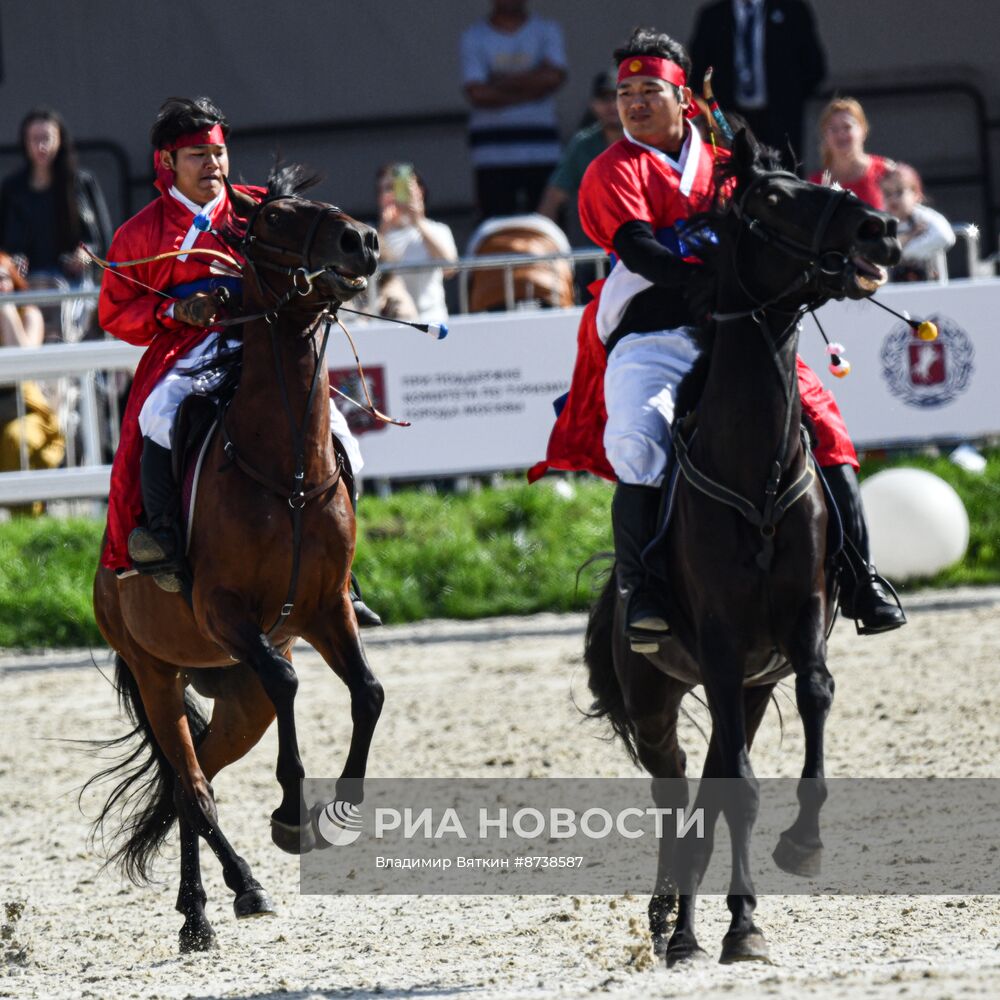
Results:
235 286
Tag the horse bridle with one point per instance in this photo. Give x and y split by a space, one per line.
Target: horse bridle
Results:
302 277
817 262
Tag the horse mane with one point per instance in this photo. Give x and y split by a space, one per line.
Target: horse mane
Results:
701 293
287 179
284 180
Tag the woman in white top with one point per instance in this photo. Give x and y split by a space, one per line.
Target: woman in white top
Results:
409 237
924 234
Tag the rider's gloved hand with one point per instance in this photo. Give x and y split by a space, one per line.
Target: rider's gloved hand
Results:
200 309
695 238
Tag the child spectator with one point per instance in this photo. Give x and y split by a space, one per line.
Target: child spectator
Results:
924 233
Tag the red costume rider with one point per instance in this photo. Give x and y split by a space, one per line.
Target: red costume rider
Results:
633 345
132 308
170 306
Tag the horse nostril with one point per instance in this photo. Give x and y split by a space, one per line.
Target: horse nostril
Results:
373 243
350 241
872 229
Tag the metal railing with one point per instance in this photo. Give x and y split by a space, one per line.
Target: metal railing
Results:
82 361
466 266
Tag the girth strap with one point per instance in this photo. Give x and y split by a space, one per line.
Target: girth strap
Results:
775 505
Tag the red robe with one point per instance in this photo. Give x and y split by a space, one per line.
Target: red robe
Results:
138 316
627 182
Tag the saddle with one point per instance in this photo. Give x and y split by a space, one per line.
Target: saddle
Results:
197 418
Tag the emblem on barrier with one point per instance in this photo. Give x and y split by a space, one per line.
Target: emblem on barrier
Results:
348 382
928 373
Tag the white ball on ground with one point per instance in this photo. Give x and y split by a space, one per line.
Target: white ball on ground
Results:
918 523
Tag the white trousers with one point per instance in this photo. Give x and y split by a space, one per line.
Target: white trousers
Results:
640 383
159 412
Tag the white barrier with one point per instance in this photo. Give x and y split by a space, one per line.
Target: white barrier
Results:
481 400
478 401
902 390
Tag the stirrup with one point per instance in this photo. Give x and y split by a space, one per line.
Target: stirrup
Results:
647 632
862 629
642 640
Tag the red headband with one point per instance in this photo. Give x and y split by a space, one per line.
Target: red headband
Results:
662 69
213 136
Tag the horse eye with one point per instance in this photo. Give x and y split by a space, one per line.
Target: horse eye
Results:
772 199
272 218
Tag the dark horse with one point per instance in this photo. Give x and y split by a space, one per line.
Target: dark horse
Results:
745 549
272 507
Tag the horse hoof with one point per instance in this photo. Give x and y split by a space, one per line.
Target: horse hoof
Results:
197 935
660 945
744 946
684 950
797 860
253 903
292 839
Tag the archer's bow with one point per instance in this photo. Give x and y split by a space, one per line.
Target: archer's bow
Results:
112 265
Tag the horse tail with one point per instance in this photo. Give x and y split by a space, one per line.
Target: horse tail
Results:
143 798
598 654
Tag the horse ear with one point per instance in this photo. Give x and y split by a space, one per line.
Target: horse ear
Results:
242 204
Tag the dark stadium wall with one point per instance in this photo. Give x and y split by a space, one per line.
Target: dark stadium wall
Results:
106 65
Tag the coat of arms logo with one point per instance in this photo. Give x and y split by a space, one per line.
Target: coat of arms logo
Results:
347 382
928 373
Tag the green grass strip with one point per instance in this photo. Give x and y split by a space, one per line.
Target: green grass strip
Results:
515 549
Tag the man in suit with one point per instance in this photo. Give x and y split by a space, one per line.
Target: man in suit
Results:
767 60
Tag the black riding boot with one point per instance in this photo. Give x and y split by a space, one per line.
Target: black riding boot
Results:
157 548
864 595
364 614
634 521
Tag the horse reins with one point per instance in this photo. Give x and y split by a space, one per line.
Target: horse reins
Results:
775 505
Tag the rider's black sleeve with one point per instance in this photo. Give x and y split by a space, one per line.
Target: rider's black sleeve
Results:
639 251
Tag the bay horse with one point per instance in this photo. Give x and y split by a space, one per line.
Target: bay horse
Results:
271 546
744 551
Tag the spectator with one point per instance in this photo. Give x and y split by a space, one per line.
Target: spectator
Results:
843 129
38 430
588 143
512 65
50 206
767 60
407 236
925 234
